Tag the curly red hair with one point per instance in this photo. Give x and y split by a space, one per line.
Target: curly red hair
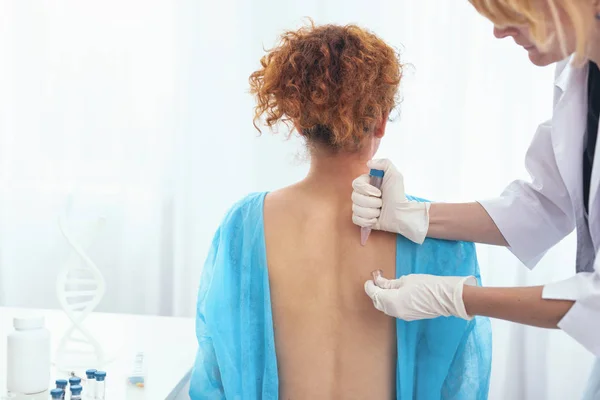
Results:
333 83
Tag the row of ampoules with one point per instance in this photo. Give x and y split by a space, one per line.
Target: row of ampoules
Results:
95 387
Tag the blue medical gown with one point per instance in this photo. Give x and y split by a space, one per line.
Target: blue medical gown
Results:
442 358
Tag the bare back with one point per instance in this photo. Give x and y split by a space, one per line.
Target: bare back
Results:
331 343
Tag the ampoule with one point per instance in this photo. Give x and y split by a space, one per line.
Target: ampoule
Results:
57 394
76 392
90 384
376 274
74 381
62 384
138 374
100 384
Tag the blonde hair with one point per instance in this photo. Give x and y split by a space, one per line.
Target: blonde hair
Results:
528 12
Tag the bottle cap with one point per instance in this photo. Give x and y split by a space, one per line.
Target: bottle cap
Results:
27 323
100 375
56 393
90 373
76 389
61 383
74 380
376 172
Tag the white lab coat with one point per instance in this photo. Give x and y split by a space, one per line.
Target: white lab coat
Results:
534 216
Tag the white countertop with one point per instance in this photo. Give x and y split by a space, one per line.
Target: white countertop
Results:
169 345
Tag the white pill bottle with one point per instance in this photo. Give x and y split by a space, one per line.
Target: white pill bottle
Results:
28 356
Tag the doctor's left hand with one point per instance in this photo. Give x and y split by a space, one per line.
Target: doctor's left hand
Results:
416 296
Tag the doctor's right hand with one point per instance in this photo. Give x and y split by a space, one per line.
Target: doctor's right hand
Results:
388 209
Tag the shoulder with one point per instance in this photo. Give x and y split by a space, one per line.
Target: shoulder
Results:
250 205
288 203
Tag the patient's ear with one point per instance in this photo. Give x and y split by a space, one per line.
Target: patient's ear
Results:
380 128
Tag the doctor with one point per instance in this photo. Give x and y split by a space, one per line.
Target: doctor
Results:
529 217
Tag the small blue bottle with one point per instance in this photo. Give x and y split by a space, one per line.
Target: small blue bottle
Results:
74 381
57 394
90 384
76 392
62 384
100 385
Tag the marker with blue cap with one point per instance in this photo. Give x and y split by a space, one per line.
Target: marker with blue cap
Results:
376 179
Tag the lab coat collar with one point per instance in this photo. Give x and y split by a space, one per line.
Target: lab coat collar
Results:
563 75
571 84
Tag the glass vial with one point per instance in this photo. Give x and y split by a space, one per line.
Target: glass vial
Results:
76 392
100 385
90 385
62 384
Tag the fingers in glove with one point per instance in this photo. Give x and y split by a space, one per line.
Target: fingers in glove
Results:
391 176
374 292
366 213
363 186
364 222
389 283
366 201
381 163
375 274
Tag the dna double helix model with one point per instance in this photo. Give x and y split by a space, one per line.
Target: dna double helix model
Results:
79 287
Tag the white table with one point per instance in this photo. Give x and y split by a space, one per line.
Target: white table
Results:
169 345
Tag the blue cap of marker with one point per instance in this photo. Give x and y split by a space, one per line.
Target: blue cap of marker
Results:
376 172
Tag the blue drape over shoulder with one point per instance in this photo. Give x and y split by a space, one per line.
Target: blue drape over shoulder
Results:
442 358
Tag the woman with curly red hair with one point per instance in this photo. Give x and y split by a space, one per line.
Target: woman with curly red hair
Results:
335 85
281 310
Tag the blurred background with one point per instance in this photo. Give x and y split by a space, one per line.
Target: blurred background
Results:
139 111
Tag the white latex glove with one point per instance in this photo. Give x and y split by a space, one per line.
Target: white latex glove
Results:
388 209
414 297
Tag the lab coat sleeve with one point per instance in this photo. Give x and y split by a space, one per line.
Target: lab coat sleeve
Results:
582 321
533 216
205 382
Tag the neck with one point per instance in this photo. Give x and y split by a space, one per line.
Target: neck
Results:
332 174
595 58
594 55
